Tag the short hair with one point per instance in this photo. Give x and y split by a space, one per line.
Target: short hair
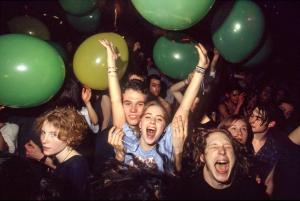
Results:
72 126
137 73
270 112
154 76
135 85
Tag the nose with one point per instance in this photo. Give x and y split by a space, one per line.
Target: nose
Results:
133 108
152 121
221 150
44 138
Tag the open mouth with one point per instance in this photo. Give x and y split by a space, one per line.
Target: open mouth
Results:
150 133
222 166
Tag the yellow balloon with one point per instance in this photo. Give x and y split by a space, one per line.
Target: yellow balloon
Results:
90 60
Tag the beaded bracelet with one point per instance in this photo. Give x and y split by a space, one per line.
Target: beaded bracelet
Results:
200 69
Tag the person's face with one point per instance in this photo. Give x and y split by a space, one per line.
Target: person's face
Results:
133 105
266 93
234 96
219 159
155 87
256 122
238 130
152 125
287 109
49 138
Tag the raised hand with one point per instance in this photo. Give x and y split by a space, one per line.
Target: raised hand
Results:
112 55
203 58
179 134
86 94
115 137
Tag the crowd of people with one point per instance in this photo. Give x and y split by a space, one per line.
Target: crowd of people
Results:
148 137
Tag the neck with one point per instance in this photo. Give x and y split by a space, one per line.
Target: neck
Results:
145 146
260 136
65 154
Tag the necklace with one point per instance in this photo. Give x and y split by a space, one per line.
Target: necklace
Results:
67 155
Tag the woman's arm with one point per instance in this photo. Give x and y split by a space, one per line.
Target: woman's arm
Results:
33 151
86 95
114 85
194 86
179 134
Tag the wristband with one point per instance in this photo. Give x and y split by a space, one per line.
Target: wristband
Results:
200 69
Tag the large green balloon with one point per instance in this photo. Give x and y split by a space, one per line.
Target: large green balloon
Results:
78 7
175 59
30 26
262 54
87 23
60 50
173 14
237 29
31 71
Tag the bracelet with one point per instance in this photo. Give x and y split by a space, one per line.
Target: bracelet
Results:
42 160
200 69
112 69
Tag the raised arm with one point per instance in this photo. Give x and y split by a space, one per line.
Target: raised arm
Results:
176 89
86 95
194 86
114 85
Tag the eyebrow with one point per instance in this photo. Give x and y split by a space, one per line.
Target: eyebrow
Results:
155 115
54 132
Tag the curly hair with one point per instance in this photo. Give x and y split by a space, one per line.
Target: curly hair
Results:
72 126
197 145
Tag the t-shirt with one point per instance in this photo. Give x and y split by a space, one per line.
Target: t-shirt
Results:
156 158
84 112
242 189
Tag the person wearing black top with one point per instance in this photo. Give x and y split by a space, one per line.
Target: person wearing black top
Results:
223 170
61 130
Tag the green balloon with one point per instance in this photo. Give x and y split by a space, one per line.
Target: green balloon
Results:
78 7
173 14
60 50
31 71
262 54
87 23
175 59
30 26
238 28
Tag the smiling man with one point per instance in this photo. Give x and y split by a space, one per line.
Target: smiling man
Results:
224 173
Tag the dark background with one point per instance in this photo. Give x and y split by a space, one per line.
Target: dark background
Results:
282 21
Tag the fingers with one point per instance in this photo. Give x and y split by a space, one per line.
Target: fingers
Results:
115 137
203 58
